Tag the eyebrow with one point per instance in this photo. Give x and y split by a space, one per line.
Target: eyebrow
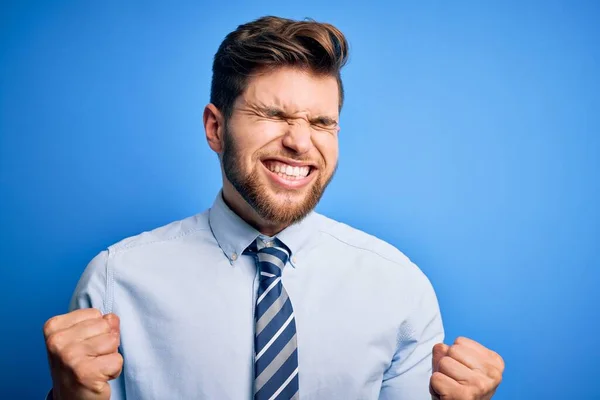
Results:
271 111
276 112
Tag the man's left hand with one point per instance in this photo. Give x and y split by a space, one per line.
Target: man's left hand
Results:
465 370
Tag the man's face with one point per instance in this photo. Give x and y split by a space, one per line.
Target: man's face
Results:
281 143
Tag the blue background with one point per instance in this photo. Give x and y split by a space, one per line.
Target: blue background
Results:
470 140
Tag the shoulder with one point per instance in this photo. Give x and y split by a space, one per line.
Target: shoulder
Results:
391 269
361 241
94 288
391 261
172 232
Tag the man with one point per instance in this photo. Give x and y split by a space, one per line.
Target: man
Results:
259 296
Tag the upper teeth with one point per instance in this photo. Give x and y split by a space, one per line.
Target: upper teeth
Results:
279 167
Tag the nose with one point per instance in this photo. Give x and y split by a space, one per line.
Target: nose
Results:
298 137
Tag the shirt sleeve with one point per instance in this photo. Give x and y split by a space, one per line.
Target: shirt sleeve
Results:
410 371
91 292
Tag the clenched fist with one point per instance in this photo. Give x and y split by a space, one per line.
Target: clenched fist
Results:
83 354
465 371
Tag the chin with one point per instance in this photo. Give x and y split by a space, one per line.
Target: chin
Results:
285 207
288 195
286 200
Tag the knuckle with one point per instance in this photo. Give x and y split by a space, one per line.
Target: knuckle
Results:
116 366
102 323
119 361
499 361
104 343
111 342
93 313
495 374
114 338
84 314
480 385
445 363
69 355
50 325
439 347
453 351
498 380
461 340
53 343
99 324
436 378
115 317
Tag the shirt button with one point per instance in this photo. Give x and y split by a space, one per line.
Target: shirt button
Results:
294 260
269 244
234 256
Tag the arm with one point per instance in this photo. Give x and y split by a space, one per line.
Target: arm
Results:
410 371
90 292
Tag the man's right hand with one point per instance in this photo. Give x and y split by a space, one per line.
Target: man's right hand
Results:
83 354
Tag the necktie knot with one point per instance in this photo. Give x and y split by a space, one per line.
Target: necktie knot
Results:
271 257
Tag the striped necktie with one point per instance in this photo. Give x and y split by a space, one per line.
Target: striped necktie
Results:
275 345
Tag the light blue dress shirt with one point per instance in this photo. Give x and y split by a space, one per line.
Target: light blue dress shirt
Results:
366 316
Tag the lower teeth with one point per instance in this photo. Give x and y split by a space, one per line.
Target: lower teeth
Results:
288 177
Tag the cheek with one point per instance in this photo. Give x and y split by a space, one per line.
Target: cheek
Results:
249 142
327 145
255 136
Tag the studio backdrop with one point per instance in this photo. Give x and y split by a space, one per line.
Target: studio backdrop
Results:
470 140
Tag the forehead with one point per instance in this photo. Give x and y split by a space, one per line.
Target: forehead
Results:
294 90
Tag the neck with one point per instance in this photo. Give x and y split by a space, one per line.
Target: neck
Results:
238 205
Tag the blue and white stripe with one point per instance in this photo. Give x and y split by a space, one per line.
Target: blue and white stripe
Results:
275 343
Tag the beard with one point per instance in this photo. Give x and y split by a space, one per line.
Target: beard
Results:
257 193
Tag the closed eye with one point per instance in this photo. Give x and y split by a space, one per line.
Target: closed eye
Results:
321 122
274 113
324 122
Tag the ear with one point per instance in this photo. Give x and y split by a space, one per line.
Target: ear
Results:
214 126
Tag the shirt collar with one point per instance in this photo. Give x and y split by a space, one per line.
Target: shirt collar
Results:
234 235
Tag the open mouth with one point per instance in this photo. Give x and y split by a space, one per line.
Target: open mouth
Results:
289 174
